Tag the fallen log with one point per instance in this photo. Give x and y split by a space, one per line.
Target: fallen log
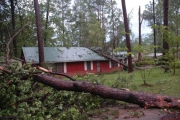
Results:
143 99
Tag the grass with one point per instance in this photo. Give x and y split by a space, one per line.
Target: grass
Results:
158 81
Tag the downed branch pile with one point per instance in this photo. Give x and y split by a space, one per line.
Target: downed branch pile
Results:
143 99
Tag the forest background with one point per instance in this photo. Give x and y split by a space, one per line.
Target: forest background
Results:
95 23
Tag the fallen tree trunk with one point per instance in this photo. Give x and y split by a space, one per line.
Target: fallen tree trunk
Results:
143 99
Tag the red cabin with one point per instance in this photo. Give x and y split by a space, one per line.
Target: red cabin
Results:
71 60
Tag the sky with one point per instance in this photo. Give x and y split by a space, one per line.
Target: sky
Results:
134 6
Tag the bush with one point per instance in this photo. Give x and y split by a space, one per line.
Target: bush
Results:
145 62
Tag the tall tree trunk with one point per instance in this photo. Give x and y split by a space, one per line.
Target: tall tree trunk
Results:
1 39
177 33
39 32
140 38
165 41
128 44
104 29
62 22
154 30
13 26
112 18
47 20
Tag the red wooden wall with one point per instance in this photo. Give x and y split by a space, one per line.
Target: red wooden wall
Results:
74 68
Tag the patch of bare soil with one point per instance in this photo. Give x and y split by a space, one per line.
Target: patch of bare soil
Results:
171 116
129 112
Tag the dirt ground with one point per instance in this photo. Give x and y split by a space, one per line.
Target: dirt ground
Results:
130 112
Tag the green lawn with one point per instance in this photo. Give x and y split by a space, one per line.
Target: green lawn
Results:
158 81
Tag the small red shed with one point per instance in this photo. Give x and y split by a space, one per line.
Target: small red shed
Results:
71 60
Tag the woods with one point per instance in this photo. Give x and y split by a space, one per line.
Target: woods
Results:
98 25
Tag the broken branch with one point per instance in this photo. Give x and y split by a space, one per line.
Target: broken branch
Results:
5 70
55 73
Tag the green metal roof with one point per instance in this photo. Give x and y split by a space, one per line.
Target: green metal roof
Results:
61 54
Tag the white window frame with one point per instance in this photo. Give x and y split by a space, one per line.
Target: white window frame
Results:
65 68
85 65
91 65
110 65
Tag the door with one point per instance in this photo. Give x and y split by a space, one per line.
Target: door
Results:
59 67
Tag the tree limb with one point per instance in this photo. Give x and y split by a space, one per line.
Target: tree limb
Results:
10 40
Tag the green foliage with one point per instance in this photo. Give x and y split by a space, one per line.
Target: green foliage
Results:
21 97
144 49
146 61
14 88
145 73
123 81
118 49
96 33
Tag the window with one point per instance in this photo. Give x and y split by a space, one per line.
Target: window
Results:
114 64
88 64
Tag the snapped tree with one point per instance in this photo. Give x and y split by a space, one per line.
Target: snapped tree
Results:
128 44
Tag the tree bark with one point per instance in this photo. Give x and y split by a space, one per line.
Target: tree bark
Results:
166 7
13 27
128 44
39 32
143 99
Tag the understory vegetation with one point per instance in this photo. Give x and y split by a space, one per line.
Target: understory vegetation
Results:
22 98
